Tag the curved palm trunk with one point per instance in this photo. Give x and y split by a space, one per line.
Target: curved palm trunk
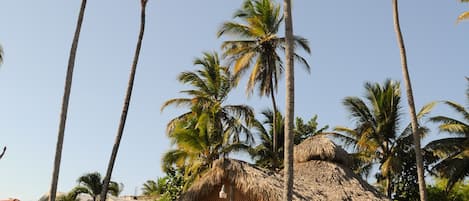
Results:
3 152
290 103
65 101
125 109
410 99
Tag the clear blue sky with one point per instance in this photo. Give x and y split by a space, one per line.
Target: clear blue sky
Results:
352 42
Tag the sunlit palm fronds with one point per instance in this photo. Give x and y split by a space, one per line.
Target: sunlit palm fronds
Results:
452 152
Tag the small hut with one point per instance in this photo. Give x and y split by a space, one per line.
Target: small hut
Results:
321 172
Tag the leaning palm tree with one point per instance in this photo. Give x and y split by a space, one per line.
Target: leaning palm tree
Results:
257 47
210 129
65 101
465 15
128 96
92 184
410 100
453 152
376 138
290 102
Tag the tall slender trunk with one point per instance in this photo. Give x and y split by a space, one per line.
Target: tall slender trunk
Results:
65 101
274 119
290 103
3 152
125 108
410 99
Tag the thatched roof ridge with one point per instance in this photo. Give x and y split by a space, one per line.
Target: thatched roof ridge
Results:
320 148
314 180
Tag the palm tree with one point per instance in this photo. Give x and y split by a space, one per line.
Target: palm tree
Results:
453 152
73 194
70 196
376 138
290 102
65 101
128 96
258 46
410 100
263 154
93 185
465 15
152 188
210 129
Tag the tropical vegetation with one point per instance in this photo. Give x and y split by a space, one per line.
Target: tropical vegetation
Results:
263 154
210 129
439 192
376 137
165 188
257 46
452 153
92 184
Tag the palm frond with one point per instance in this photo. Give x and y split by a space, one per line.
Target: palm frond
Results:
177 102
173 157
464 16
345 135
234 28
426 109
458 108
358 109
445 147
451 125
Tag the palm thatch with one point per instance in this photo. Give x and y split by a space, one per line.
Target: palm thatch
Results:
318 176
321 148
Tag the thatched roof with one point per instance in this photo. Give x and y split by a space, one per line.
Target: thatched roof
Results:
320 148
314 179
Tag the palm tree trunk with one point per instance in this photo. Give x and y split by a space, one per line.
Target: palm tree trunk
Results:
65 101
125 109
3 152
290 103
410 99
274 120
